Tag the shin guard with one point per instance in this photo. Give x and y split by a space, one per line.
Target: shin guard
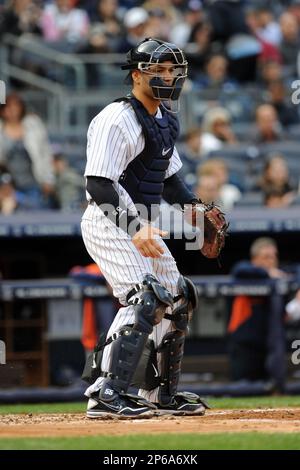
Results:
171 349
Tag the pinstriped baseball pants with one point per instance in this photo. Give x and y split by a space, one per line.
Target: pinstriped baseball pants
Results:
123 266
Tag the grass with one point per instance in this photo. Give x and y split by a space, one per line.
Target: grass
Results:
222 403
247 440
228 441
255 402
44 408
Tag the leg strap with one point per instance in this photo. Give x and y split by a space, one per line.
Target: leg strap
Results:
188 295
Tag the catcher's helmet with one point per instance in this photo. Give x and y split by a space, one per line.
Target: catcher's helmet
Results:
152 52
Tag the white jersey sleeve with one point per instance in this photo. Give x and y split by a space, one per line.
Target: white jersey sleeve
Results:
110 145
175 164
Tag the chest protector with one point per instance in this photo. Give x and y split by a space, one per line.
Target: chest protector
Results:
144 177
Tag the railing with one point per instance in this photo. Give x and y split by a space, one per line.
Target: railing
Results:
71 103
29 44
42 52
67 106
250 221
208 286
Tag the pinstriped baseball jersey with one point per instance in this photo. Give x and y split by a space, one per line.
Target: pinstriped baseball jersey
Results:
115 138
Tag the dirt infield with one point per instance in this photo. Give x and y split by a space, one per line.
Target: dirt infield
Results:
215 421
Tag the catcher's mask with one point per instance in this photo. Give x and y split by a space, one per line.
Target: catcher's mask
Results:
149 57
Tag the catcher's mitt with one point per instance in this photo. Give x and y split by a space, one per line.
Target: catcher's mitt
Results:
215 231
215 228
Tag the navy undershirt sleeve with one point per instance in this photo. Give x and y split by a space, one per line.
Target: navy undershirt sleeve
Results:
103 193
176 192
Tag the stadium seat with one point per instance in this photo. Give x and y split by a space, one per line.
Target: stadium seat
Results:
250 199
240 160
294 132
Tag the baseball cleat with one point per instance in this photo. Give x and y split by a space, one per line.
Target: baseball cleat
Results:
183 404
121 407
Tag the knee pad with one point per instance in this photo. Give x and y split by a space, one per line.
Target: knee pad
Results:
182 314
171 349
150 307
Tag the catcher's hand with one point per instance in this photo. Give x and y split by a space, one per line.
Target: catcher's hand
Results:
215 229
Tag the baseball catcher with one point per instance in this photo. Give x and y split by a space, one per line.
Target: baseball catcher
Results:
132 163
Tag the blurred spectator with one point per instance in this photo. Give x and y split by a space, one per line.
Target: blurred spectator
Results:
98 314
276 199
198 48
256 331
135 22
192 15
69 185
268 28
12 200
8 200
25 151
21 16
172 13
62 24
190 155
227 18
293 308
107 15
275 183
216 128
287 112
294 9
207 189
270 71
269 51
268 127
216 74
243 51
158 25
225 193
290 42
98 43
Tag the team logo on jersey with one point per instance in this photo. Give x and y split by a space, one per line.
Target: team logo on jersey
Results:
94 365
165 151
155 370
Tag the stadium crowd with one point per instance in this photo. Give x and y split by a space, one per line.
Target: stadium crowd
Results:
238 152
